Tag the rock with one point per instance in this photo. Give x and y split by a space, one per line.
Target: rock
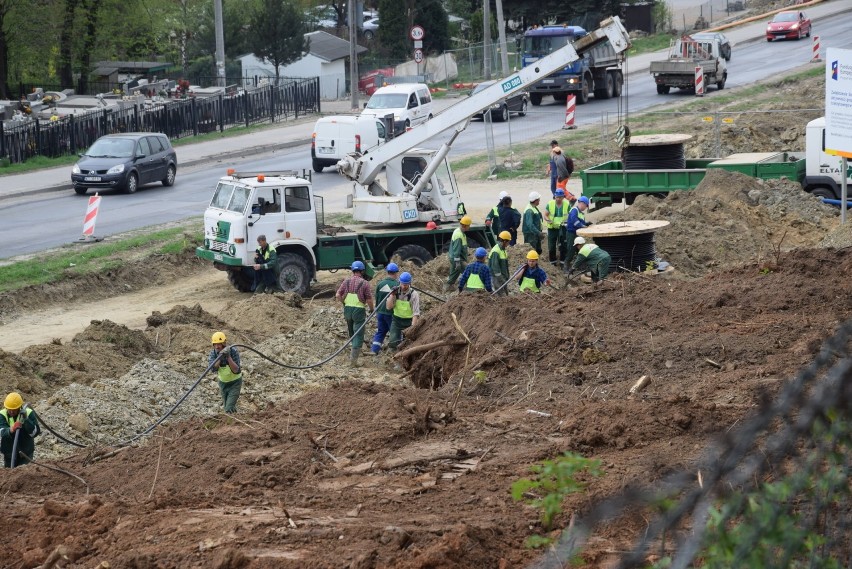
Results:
79 423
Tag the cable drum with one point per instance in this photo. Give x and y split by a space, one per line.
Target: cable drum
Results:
630 253
661 157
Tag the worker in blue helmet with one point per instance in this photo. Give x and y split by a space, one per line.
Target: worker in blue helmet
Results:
405 303
356 296
476 276
384 314
555 216
576 220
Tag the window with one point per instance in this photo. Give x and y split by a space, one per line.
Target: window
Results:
412 169
386 101
412 101
142 148
267 200
442 175
230 197
222 196
383 133
297 198
165 142
425 97
155 144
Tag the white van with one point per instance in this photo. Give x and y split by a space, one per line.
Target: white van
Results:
335 137
410 103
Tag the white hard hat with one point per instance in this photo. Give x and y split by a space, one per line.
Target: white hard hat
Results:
534 196
579 241
504 194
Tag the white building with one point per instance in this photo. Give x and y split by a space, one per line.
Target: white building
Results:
326 59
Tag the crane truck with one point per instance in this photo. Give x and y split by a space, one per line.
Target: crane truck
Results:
395 212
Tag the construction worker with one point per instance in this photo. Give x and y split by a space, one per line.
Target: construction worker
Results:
354 292
458 252
477 275
492 220
576 220
510 219
405 303
498 263
551 167
592 258
384 313
531 227
265 262
226 361
21 421
533 277
555 215
564 169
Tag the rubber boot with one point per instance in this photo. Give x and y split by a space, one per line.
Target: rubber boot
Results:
353 358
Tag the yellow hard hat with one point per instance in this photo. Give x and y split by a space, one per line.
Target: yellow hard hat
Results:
505 235
219 338
466 220
532 255
13 401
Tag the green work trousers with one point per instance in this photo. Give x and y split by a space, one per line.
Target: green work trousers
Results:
497 281
556 240
397 326
354 319
456 269
230 392
534 241
600 269
572 250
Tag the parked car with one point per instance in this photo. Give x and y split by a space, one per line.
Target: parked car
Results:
371 28
517 103
724 42
409 103
788 25
125 162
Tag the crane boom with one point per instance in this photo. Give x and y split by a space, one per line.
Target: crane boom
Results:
364 169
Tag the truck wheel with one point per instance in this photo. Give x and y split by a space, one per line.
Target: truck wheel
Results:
414 253
318 166
824 192
293 273
607 90
583 93
663 89
240 281
721 84
535 99
618 83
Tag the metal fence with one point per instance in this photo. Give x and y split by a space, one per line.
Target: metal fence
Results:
67 135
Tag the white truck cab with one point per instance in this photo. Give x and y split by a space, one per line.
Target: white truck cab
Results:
822 174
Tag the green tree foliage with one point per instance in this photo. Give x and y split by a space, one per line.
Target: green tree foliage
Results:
476 26
431 15
578 12
393 29
277 33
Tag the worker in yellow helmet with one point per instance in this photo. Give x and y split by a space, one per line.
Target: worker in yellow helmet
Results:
226 361
533 277
19 421
498 262
458 252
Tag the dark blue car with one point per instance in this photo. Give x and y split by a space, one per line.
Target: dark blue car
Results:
125 162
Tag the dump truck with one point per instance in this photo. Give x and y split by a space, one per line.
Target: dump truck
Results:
685 54
399 191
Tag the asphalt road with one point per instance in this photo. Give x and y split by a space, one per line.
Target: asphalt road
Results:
39 222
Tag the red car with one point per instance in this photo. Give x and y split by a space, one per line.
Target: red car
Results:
788 25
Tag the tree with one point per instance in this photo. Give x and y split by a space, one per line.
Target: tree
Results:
277 33
398 17
431 15
393 33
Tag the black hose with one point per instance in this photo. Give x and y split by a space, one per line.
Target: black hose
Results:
427 293
57 435
632 253
15 448
662 157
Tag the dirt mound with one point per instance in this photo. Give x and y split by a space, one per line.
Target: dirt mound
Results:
19 374
128 342
62 364
262 315
184 315
732 218
838 238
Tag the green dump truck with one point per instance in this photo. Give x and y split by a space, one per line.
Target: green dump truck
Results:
610 183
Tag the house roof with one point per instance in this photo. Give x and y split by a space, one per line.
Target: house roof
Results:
329 47
134 66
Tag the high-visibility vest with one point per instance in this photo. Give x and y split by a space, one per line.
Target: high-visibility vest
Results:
264 254
586 249
474 281
12 420
226 375
580 215
528 284
459 234
402 308
556 221
353 301
500 252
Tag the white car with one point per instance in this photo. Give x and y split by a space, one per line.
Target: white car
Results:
371 28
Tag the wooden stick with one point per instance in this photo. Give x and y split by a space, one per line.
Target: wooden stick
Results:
157 471
458 327
426 347
59 554
319 447
717 365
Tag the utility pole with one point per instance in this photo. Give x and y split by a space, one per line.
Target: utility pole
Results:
220 43
501 35
353 54
486 38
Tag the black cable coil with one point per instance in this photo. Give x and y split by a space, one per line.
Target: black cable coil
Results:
630 253
663 157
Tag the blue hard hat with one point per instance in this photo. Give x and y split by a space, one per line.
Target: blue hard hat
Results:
405 278
480 253
392 268
560 193
584 199
357 266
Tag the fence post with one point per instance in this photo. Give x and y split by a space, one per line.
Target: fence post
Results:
194 117
272 103
246 106
317 93
296 89
72 138
221 112
136 126
38 137
3 141
103 123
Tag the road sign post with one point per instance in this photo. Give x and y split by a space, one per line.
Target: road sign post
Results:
417 33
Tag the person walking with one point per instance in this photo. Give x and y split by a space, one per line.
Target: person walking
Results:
510 219
498 263
405 303
226 361
492 220
555 215
592 258
477 275
533 277
19 420
551 167
458 252
265 262
384 313
576 220
564 169
354 292
532 222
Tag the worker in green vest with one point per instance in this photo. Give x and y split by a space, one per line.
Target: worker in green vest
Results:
531 226
555 215
226 361
18 420
458 252
476 276
355 294
265 264
576 220
384 315
533 277
492 220
498 263
590 257
405 303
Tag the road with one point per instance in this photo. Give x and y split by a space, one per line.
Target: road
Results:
39 222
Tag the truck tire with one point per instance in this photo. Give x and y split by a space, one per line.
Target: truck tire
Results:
618 83
293 273
583 93
318 166
824 192
607 90
240 281
721 83
663 89
535 99
414 253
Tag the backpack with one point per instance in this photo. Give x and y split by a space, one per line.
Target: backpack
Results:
569 163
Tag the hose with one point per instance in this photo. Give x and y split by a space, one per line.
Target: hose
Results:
57 435
661 157
15 448
427 293
510 279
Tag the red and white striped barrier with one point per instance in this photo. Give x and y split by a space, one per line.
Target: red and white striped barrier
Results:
816 57
90 218
699 82
570 108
